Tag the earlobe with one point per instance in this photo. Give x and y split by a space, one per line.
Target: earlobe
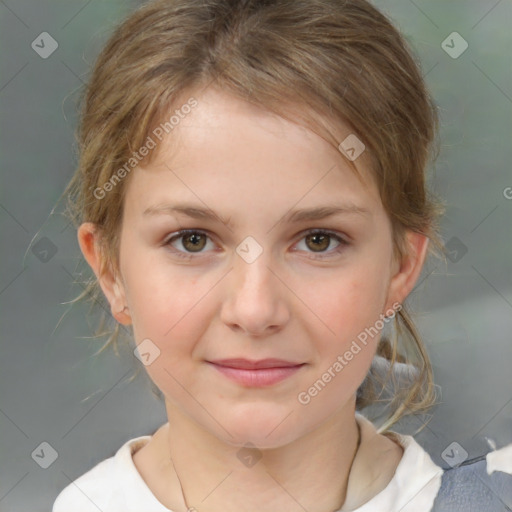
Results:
88 240
120 310
404 279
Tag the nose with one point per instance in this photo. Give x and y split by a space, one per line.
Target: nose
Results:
256 298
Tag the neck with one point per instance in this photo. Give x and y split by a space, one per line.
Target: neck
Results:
309 473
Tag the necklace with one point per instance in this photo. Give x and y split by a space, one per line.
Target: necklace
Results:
192 509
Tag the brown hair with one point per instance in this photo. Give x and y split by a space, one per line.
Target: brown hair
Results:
337 60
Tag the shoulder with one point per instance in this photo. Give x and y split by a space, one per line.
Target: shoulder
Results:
101 488
89 492
411 482
481 484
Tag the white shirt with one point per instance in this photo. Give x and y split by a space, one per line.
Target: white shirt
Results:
115 485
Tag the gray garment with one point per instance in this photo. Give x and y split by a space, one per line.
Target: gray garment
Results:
468 488
464 488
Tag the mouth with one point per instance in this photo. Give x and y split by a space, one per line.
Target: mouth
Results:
262 373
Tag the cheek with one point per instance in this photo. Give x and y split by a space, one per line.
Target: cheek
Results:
172 310
350 307
169 304
350 304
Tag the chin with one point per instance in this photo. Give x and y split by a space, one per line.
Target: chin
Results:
266 426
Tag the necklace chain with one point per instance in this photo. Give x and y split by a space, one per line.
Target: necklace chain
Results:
189 509
192 509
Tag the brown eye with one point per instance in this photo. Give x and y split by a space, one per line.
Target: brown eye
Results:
194 242
322 244
318 242
185 243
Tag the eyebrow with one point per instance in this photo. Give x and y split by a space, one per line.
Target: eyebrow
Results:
306 214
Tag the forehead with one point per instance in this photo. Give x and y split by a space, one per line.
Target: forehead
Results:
225 146
216 110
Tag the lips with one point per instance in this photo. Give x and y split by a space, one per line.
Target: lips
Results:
256 374
245 364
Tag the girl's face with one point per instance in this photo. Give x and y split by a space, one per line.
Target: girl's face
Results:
250 281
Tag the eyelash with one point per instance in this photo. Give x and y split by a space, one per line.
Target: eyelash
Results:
343 243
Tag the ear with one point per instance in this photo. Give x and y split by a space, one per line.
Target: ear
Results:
113 288
407 271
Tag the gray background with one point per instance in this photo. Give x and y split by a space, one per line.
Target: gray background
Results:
53 388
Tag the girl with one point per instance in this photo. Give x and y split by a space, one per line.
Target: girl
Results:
251 198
